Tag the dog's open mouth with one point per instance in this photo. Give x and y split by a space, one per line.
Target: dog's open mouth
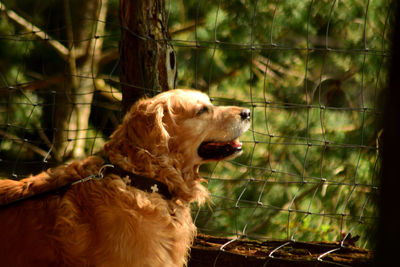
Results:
219 150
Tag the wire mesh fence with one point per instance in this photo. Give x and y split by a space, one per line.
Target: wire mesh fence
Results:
312 73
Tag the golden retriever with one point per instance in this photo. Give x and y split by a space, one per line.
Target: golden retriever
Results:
57 219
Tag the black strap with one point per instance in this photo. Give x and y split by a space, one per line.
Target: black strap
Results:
141 182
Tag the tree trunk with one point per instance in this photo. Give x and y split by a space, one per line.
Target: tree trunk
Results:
147 60
89 70
73 104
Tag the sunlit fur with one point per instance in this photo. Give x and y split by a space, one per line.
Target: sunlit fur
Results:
106 222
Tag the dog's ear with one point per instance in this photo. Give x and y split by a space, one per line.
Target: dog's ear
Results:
142 129
145 125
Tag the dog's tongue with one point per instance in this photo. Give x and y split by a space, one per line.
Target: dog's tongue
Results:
219 150
235 143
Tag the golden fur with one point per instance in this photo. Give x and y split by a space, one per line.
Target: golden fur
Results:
107 222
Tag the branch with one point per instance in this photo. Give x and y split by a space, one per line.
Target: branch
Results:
106 90
42 83
18 140
189 27
36 31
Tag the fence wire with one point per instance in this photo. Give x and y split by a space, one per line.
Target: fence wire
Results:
312 73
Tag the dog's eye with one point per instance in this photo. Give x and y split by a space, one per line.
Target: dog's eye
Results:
202 110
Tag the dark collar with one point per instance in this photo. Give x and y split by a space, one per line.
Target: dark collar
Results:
140 182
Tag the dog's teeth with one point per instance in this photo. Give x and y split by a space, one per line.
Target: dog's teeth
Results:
235 143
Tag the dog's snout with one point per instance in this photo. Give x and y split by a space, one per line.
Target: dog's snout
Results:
245 114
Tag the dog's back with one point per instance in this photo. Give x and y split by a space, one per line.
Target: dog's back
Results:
25 225
28 210
24 232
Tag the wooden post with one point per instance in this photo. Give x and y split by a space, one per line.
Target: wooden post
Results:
206 251
147 60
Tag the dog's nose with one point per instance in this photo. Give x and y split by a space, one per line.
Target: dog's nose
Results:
245 114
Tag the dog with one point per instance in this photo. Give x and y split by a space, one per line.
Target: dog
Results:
132 206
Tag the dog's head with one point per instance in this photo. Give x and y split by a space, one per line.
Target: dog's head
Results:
179 128
201 131
184 122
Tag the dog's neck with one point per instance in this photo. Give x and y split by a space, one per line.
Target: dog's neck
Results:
183 182
139 181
